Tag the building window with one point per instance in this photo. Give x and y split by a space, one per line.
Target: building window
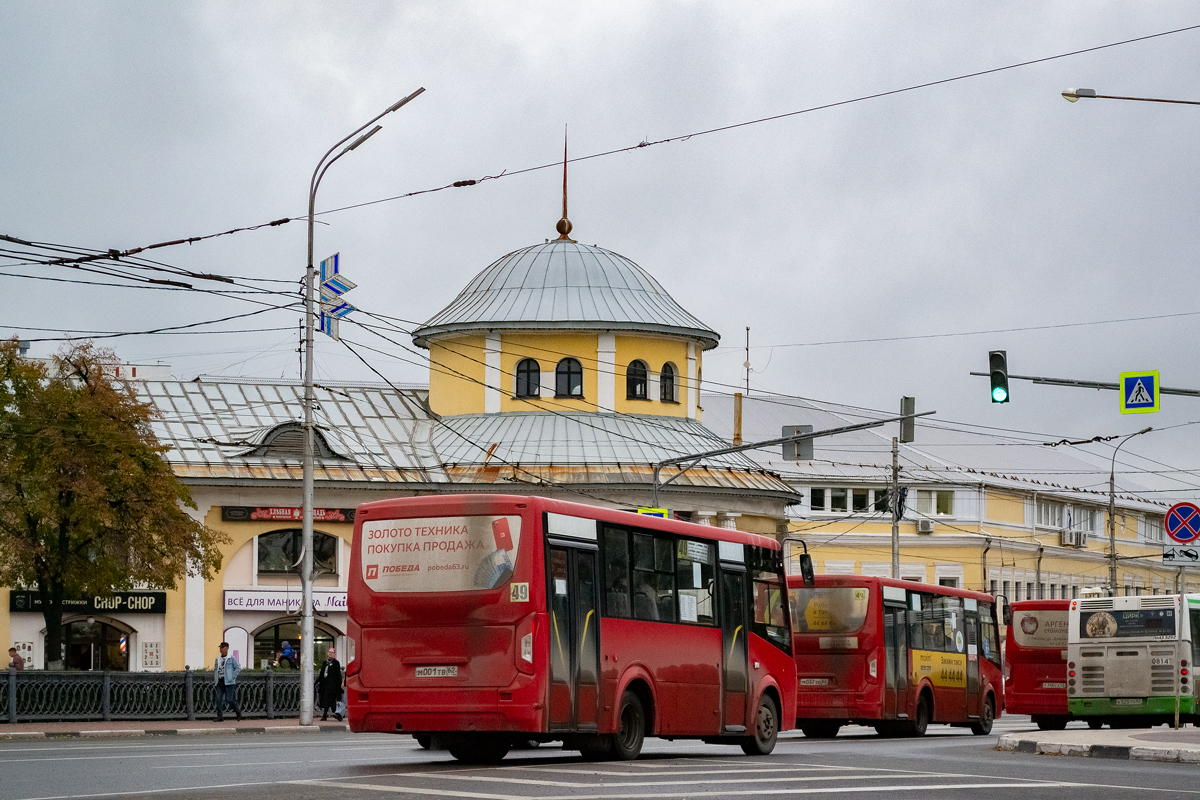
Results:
881 500
837 500
666 384
279 552
939 503
1049 515
860 499
1029 591
951 582
1154 529
1005 591
568 379
635 381
994 588
94 645
817 502
529 378
1080 519
269 642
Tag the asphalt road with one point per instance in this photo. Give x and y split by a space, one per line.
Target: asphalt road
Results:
948 763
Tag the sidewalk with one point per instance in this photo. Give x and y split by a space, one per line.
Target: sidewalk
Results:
1140 744
137 728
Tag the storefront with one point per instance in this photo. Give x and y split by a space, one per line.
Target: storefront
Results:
123 631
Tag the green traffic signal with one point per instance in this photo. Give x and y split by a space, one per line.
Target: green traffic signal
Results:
998 360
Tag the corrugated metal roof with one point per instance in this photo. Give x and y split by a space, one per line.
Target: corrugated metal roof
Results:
218 430
566 286
938 456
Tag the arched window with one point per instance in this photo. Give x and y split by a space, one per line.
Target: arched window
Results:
635 380
666 384
529 378
269 643
279 550
568 379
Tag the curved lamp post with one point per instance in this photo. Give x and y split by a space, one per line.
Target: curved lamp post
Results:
1112 514
1073 95
306 569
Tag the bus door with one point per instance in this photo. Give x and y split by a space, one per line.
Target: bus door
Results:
895 645
733 648
971 616
574 637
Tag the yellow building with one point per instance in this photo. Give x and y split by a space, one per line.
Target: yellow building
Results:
996 513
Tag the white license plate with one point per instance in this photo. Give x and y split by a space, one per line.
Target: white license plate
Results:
437 672
1053 685
1127 701
1161 661
814 681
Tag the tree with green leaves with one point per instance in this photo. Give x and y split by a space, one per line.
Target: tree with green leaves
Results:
88 503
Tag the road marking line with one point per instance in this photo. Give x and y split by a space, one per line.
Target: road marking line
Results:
705 782
565 771
92 758
409 790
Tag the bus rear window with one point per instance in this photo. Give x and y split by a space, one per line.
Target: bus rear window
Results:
834 610
439 554
1040 628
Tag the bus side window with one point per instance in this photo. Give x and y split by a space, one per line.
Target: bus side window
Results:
916 633
653 578
1194 614
616 573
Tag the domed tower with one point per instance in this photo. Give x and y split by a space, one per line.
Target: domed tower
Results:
569 369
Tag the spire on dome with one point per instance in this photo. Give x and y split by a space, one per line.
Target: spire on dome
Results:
564 225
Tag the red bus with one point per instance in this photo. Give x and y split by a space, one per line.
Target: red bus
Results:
1035 662
485 620
896 655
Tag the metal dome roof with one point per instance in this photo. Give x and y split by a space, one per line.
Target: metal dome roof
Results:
564 285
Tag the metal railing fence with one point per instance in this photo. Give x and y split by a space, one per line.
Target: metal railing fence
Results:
63 696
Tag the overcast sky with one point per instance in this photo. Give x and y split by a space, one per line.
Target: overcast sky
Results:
977 205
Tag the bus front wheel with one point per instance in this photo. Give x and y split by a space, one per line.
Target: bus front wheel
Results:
766 729
921 722
987 715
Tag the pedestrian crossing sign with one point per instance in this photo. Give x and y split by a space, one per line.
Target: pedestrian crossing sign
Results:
1139 392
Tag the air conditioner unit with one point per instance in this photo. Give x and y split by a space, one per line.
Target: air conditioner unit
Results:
1082 538
924 526
1068 538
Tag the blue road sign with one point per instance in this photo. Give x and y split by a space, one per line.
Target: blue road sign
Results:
1139 392
333 286
1183 522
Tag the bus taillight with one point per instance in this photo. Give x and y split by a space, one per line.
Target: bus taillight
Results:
524 654
873 667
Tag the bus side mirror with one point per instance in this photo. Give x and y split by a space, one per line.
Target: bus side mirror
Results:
806 570
1006 613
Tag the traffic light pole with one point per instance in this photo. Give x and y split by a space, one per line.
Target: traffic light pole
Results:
895 504
1088 384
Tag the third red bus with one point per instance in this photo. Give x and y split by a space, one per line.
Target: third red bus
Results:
896 655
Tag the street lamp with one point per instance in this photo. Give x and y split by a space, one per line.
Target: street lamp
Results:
1112 514
306 568
1073 95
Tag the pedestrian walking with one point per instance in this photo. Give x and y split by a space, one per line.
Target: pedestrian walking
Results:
330 683
15 661
225 675
288 655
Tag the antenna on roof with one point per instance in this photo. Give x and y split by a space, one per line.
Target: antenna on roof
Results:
564 225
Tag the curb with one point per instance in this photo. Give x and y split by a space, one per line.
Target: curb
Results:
138 734
1013 743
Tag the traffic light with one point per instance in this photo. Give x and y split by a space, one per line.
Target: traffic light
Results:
999 369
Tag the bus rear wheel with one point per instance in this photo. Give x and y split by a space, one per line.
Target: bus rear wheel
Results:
1095 724
987 715
766 729
480 750
1050 722
627 741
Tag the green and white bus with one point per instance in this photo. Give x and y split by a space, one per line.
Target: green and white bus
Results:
1130 659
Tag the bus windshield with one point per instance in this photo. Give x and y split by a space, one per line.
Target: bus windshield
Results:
1040 627
1118 624
829 610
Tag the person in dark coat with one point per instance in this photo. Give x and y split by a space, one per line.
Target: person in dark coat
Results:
330 683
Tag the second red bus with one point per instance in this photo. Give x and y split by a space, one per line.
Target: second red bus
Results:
1035 662
895 655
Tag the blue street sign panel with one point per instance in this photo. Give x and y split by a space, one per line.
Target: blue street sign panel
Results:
333 286
1139 392
1183 522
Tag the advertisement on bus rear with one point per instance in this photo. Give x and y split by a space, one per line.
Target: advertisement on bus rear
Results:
1040 628
439 554
1159 622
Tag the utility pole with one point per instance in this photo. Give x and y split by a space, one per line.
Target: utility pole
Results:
895 498
1112 514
